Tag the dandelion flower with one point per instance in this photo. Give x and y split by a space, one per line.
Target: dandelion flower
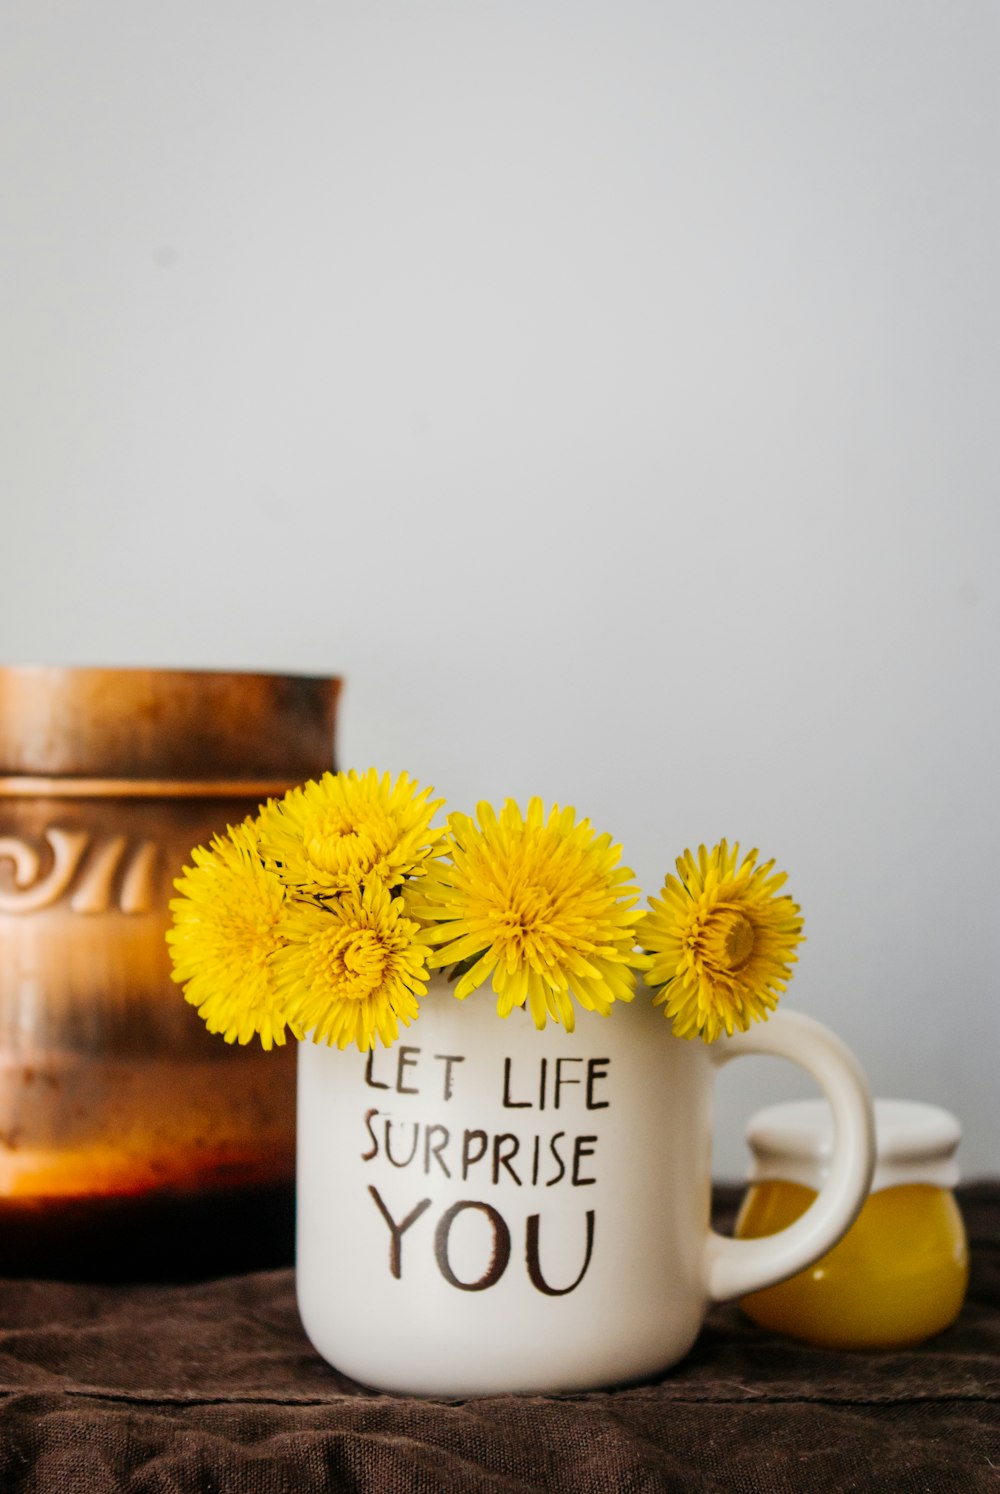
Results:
721 941
337 832
350 970
538 904
225 931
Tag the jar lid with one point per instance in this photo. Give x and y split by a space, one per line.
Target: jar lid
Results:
914 1143
163 724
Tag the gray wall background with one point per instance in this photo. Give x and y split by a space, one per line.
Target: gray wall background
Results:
607 390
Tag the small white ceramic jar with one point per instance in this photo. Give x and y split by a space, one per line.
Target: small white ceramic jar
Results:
900 1273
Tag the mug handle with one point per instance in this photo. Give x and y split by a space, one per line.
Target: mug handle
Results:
735 1267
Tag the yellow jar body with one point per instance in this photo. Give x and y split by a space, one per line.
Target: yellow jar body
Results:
898 1276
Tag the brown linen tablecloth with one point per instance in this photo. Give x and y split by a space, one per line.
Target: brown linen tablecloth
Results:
213 1389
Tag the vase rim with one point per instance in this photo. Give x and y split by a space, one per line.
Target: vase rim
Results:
136 723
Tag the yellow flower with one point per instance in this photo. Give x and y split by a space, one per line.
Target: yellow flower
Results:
350 970
721 942
336 832
541 905
226 929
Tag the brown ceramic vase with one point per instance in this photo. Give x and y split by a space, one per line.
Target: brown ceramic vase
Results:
134 1144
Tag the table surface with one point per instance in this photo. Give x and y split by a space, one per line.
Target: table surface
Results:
214 1387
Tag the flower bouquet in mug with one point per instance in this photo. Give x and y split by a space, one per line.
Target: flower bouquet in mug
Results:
522 1205
327 913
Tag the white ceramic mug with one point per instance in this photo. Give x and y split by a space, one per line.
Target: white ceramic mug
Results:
486 1208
